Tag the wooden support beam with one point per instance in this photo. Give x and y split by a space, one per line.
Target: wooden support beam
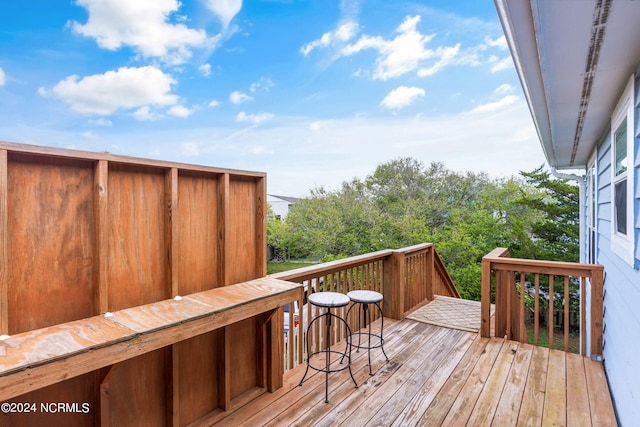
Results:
171 232
101 241
4 241
261 227
223 214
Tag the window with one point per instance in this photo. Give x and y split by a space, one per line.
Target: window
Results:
622 176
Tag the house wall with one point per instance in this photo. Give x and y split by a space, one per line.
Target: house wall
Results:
622 286
280 207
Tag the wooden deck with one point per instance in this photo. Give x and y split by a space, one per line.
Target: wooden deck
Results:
441 376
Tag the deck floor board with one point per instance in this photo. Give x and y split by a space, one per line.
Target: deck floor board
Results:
441 376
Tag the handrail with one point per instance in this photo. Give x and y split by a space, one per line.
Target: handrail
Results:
510 298
407 277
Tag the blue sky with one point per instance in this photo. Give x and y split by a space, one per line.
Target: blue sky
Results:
311 92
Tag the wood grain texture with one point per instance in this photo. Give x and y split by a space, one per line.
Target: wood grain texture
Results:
475 375
69 350
4 240
198 225
50 241
137 238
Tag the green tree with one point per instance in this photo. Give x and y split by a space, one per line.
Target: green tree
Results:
556 232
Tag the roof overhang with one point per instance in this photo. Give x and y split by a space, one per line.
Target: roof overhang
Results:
574 59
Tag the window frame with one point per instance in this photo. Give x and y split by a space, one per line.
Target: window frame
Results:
623 244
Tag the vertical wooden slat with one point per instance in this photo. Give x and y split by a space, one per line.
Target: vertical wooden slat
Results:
171 260
536 310
509 278
224 371
566 313
523 335
172 386
485 302
550 311
4 241
101 215
104 398
223 215
261 227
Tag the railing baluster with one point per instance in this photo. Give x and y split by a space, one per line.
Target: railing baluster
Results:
551 310
566 313
521 320
536 310
508 286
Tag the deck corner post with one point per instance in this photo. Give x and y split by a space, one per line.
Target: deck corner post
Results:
485 306
393 285
597 299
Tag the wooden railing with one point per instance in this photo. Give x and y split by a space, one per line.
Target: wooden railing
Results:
517 280
406 277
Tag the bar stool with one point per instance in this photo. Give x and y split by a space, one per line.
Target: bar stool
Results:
329 300
363 299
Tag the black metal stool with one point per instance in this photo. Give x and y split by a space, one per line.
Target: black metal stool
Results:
329 300
363 299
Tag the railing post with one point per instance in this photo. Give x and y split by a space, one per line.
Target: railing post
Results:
485 305
431 273
393 285
597 285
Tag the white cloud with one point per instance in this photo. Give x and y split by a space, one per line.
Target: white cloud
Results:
89 135
189 149
205 69
122 89
179 111
401 97
145 114
260 150
446 54
405 53
215 103
318 125
224 9
500 42
264 84
101 122
345 32
504 88
494 106
237 97
2 77
142 24
500 64
253 118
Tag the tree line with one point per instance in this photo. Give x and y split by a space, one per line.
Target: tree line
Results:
465 215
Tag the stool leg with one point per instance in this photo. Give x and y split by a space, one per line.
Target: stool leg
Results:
327 355
381 331
308 351
349 345
366 311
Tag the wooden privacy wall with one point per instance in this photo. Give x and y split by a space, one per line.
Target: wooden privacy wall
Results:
82 234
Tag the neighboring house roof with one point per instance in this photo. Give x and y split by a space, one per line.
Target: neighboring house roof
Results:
574 59
291 200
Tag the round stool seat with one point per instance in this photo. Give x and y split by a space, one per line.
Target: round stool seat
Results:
365 297
329 299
